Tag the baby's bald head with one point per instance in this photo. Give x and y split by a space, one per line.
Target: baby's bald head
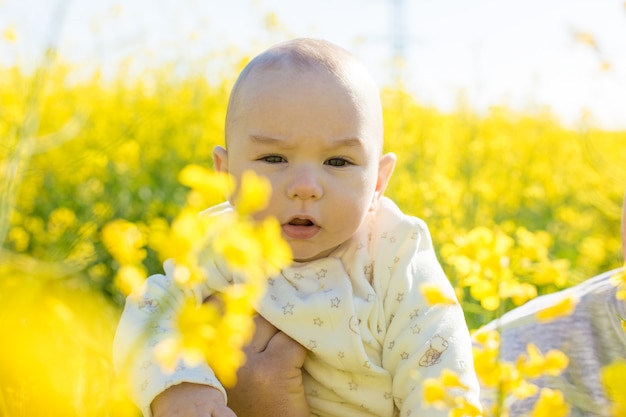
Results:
309 55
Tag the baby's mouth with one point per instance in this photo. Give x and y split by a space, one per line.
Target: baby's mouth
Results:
300 228
301 222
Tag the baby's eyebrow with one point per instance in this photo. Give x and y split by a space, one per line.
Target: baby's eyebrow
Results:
269 141
351 142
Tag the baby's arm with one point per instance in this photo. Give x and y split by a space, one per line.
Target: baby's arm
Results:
422 340
149 318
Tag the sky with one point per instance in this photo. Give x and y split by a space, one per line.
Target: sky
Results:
568 55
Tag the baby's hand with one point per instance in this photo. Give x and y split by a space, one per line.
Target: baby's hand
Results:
190 400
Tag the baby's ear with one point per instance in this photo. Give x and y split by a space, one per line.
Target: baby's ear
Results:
386 165
220 159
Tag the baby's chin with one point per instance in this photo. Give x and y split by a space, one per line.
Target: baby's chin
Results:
304 257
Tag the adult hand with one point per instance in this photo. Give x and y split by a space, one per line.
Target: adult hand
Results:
191 400
269 384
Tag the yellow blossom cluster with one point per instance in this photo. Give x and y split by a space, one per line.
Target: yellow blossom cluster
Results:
446 393
217 331
495 267
612 377
508 382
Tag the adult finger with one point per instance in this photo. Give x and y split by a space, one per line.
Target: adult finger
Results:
264 331
288 350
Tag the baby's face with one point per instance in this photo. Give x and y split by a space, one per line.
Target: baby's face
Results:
318 143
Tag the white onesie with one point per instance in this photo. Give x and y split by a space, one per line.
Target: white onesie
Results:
371 336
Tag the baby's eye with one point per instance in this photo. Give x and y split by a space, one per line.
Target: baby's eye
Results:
337 162
272 159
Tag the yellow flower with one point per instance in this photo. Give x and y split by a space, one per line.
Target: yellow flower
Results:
564 307
255 249
489 339
531 363
433 294
465 409
524 389
239 246
518 292
550 404
586 38
9 34
446 392
555 362
553 272
434 392
253 194
486 291
167 354
185 242
196 326
124 241
129 278
613 378
619 280
486 357
450 379
208 187
276 251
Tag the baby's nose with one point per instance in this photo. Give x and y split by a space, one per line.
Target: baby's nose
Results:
305 185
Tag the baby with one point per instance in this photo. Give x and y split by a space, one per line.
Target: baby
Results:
306 115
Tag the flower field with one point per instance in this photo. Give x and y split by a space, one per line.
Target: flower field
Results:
90 182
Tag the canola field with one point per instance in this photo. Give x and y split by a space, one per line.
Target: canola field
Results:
517 203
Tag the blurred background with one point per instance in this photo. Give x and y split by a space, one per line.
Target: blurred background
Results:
509 118
569 55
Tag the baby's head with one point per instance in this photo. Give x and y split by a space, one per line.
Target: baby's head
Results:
307 115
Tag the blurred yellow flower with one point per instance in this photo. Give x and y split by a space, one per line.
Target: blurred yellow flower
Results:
434 392
464 408
124 241
586 38
216 331
555 362
564 307
197 328
433 294
129 278
451 379
168 353
519 293
253 193
531 363
525 389
613 378
209 187
550 404
534 364
276 251
551 272
9 34
619 280
446 392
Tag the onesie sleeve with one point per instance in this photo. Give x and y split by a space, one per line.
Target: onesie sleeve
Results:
422 340
148 318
